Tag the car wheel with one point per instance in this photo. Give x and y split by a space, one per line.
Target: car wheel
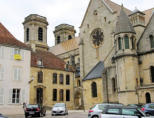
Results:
95 116
26 116
148 114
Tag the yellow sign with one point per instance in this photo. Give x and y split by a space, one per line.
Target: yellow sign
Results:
17 57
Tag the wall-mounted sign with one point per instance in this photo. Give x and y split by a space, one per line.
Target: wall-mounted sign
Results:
17 57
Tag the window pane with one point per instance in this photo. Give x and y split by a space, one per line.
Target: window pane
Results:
152 73
151 41
67 79
113 111
129 111
119 43
61 79
54 78
40 34
67 95
94 89
126 42
54 94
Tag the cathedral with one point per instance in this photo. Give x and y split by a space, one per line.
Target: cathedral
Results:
116 47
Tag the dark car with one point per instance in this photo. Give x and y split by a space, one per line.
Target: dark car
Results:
34 110
2 116
148 109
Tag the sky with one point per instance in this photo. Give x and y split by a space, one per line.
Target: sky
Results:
13 12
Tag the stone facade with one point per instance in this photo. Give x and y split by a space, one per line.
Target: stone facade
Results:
127 77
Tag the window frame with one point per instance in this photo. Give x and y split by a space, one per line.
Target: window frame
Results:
54 95
151 37
67 95
61 79
94 89
15 96
126 40
67 79
40 77
40 34
54 79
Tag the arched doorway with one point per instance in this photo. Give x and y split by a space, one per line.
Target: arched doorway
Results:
148 98
39 95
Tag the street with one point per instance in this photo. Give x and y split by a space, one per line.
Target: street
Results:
48 115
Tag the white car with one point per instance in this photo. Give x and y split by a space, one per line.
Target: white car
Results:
59 109
123 112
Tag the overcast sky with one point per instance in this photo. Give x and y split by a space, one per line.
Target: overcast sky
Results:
13 12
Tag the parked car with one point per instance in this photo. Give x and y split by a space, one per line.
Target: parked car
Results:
59 109
148 109
34 110
2 116
122 112
95 111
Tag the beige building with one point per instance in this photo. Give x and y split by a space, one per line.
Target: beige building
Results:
116 53
50 81
67 48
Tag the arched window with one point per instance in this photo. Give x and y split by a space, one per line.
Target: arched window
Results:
148 98
79 83
152 73
69 37
151 41
133 42
61 79
58 39
27 34
61 95
94 89
54 78
40 77
126 39
40 34
113 84
67 79
119 43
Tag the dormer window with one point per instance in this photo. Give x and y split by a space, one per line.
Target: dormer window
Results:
151 41
40 34
40 62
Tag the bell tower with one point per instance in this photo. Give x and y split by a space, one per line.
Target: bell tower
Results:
64 32
126 60
35 32
137 19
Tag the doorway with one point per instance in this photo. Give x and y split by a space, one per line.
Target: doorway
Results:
39 95
148 98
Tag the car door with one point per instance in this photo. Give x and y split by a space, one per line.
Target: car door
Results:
112 113
130 113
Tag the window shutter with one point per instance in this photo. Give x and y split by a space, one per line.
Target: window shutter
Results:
22 99
15 73
1 96
10 96
1 52
22 54
1 73
11 53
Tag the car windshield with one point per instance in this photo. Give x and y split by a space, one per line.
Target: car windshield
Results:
32 106
151 106
59 105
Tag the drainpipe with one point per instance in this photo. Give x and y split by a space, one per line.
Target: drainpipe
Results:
107 92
